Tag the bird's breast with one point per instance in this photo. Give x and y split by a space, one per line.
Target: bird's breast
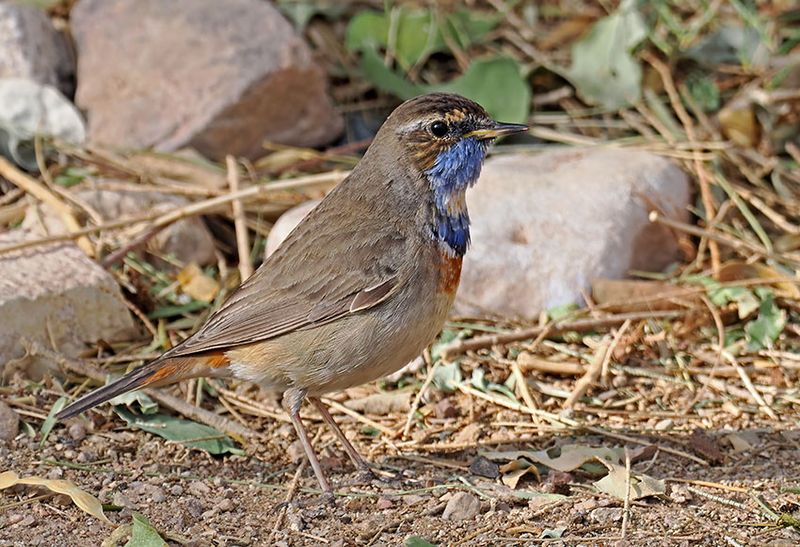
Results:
449 271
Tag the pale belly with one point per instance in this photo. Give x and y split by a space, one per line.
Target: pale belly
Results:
355 349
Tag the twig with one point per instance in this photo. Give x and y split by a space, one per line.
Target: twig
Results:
700 168
42 193
626 508
133 245
590 376
200 207
363 419
580 325
739 245
748 384
420 394
242 240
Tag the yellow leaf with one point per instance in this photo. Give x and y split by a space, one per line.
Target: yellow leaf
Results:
84 500
197 284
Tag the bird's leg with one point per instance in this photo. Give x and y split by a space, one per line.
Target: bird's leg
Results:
361 464
292 400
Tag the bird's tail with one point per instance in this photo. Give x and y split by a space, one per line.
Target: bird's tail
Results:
161 372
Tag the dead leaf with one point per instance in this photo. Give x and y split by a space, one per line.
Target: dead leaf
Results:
81 498
513 471
706 447
197 284
738 122
624 295
737 270
381 404
571 456
641 486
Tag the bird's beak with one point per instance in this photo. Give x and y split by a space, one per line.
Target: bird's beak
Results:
497 130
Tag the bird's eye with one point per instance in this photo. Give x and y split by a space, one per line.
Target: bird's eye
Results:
439 129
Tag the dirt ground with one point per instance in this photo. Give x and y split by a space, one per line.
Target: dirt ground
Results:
196 499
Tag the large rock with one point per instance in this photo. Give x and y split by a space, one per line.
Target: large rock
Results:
31 48
189 240
286 223
55 295
544 226
221 77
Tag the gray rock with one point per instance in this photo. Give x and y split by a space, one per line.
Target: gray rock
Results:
606 515
77 431
189 240
31 48
56 295
462 506
218 77
286 223
27 109
544 226
9 422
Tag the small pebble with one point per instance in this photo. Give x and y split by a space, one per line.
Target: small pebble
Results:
462 506
199 488
606 515
122 500
176 490
77 431
384 503
225 505
483 467
158 495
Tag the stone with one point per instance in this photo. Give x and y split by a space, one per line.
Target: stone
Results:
56 295
484 467
462 506
30 47
445 409
286 223
9 422
606 515
188 240
77 431
544 226
28 109
219 79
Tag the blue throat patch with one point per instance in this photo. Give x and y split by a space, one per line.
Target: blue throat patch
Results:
455 170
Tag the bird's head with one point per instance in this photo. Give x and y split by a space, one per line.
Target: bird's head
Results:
445 137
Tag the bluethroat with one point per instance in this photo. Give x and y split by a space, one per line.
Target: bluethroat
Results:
361 286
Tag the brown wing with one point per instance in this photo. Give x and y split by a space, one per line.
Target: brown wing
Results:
331 265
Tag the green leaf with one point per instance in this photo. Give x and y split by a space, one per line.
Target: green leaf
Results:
704 91
190 434
553 533
496 83
763 331
386 79
480 382
50 421
417 541
143 534
447 377
71 176
557 313
603 70
142 399
415 33
300 12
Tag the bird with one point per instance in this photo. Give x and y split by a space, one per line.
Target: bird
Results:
360 287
